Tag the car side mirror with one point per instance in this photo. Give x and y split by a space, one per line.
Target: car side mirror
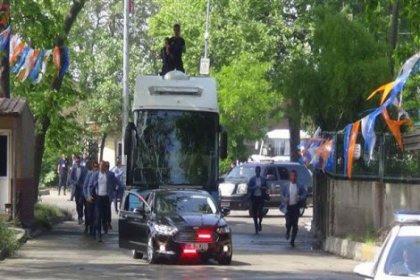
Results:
225 211
139 211
365 270
128 137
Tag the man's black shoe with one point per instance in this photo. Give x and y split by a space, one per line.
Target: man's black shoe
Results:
260 227
110 226
287 236
292 243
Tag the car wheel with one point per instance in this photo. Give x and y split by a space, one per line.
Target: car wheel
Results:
151 254
136 254
225 260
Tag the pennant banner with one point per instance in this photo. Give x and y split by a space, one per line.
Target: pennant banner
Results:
29 63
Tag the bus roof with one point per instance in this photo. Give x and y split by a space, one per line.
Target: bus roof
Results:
176 91
285 134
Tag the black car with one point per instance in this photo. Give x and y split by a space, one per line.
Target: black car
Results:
233 191
174 225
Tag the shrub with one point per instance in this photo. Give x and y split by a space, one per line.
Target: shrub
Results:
8 241
46 215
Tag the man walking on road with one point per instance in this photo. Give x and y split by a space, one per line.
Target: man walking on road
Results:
292 198
89 206
62 169
78 175
101 186
257 186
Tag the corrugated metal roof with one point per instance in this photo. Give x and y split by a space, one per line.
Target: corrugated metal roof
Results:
11 106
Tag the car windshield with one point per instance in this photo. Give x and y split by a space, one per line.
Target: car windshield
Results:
404 257
244 172
184 202
175 148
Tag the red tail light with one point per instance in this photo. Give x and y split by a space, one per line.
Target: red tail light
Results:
204 236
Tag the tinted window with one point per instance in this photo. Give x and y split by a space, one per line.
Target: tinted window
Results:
175 148
3 155
271 173
184 202
283 173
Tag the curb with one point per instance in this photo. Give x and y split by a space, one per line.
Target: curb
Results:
351 249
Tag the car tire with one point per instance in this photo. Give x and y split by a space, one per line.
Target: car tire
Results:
136 254
151 254
225 260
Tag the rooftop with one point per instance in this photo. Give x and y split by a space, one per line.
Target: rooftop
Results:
12 106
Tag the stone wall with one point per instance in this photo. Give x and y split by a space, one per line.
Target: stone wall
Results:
350 207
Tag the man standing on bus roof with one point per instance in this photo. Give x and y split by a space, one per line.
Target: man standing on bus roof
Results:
176 49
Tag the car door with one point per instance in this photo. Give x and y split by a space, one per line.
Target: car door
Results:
273 184
132 222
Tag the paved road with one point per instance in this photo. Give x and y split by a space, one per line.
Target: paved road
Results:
65 253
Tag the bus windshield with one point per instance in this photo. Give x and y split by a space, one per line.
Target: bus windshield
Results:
175 148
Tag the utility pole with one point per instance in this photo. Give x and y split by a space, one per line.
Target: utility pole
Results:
205 61
126 70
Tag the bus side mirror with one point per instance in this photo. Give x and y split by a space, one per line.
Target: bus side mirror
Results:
223 144
128 137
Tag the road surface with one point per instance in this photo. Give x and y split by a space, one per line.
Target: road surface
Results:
65 253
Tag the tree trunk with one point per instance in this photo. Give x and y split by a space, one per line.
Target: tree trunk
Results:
101 154
294 120
4 58
43 122
393 38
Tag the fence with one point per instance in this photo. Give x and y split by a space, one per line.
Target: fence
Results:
388 164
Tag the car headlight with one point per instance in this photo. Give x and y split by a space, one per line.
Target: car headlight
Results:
164 229
223 230
242 189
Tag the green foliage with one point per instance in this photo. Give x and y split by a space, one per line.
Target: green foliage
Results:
245 99
8 239
47 215
345 65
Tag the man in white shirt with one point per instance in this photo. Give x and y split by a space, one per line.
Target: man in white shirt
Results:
101 186
292 198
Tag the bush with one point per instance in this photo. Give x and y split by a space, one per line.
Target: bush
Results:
8 241
47 215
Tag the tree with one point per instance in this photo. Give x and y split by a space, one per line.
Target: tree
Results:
41 23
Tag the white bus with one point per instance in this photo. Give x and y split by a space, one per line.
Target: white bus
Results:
173 140
275 146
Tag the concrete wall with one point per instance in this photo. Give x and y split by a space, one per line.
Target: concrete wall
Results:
344 207
111 149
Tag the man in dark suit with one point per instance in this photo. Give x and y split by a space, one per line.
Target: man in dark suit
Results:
293 197
77 176
257 188
176 49
89 206
102 185
62 170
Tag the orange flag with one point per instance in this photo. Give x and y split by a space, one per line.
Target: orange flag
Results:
395 127
353 138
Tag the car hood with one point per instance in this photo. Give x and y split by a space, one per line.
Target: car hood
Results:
192 220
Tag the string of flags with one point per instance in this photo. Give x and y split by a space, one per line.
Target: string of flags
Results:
27 62
320 152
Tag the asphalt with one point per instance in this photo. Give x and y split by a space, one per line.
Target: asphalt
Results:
65 253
